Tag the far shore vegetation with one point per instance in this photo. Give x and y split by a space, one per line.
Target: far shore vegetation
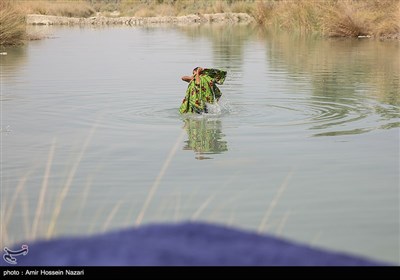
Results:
331 18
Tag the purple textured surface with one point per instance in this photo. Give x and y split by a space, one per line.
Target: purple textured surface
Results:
184 244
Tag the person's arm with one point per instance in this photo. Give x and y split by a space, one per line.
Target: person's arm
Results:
187 78
198 73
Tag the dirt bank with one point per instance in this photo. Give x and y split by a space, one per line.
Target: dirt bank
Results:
231 18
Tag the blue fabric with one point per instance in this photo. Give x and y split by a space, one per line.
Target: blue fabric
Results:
184 244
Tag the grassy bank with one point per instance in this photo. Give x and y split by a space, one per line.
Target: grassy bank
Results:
333 18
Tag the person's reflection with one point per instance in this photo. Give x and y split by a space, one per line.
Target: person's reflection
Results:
204 137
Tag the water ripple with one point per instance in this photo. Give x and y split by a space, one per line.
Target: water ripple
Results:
339 116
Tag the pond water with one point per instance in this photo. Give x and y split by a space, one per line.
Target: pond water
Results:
306 146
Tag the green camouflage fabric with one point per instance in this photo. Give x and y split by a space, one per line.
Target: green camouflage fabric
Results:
198 95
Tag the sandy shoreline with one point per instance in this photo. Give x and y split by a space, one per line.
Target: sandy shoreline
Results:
230 18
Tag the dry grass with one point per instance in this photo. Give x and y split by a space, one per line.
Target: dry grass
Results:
172 8
242 7
345 18
300 15
264 222
388 22
103 218
353 18
262 12
12 24
39 227
71 8
159 178
334 18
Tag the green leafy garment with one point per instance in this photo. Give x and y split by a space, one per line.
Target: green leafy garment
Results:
198 95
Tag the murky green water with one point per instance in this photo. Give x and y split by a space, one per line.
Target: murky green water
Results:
306 146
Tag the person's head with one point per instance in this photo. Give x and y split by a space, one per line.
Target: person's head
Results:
197 69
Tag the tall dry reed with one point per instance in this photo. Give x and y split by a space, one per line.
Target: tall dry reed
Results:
12 24
345 18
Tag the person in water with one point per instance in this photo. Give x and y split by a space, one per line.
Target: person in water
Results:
202 89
